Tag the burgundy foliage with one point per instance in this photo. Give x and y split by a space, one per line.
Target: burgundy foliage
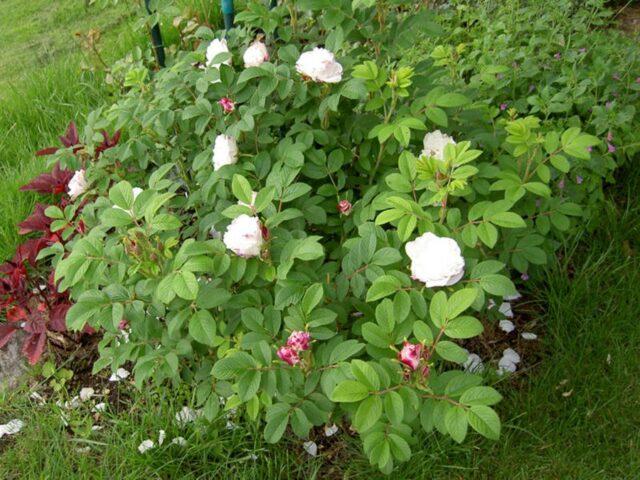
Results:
29 297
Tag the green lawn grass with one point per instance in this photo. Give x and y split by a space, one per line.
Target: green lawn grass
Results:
573 415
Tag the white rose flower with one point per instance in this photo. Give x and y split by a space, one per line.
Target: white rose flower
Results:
216 47
434 143
244 236
319 65
225 151
77 185
436 261
255 55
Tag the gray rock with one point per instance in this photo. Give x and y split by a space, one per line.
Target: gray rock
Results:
12 363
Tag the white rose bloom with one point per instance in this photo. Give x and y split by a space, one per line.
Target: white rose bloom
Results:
225 151
434 143
216 47
77 185
255 55
319 65
120 374
244 236
436 261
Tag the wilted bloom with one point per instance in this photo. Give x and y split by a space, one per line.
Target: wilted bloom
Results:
255 55
180 441
289 355
187 415
608 105
528 335
531 88
299 340
215 48
589 149
161 436
319 65
225 151
582 50
524 277
344 207
146 445
508 362
227 104
507 326
473 364
557 56
86 393
77 185
615 76
610 148
503 106
561 184
410 354
436 261
609 136
244 236
11 428
434 144
579 179
311 448
120 374
329 431
505 309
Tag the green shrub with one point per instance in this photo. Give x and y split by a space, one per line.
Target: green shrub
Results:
326 261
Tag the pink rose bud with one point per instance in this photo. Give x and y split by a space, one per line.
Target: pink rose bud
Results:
299 340
410 355
503 106
589 149
266 234
557 56
289 355
344 207
227 104
611 148
609 136
561 184
524 277
123 325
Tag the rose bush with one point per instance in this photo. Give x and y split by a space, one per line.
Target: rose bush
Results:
298 237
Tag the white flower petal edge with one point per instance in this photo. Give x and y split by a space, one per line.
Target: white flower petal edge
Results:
434 143
11 428
311 448
529 336
225 151
319 65
244 236
507 326
435 261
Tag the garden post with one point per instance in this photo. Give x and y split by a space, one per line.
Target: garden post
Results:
156 37
227 13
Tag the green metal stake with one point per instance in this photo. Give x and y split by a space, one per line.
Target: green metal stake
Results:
156 38
227 13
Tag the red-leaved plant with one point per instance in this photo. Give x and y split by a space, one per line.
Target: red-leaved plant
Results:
29 297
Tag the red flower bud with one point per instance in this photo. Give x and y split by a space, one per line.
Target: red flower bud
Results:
344 207
227 104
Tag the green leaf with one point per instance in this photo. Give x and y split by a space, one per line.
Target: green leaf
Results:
365 374
508 220
121 195
497 285
456 423
437 116
460 301
368 413
232 365
480 395
349 391
485 421
463 327
452 352
451 100
202 328
383 286
312 297
488 234
248 384
242 189
275 427
438 308
344 350
394 407
185 285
